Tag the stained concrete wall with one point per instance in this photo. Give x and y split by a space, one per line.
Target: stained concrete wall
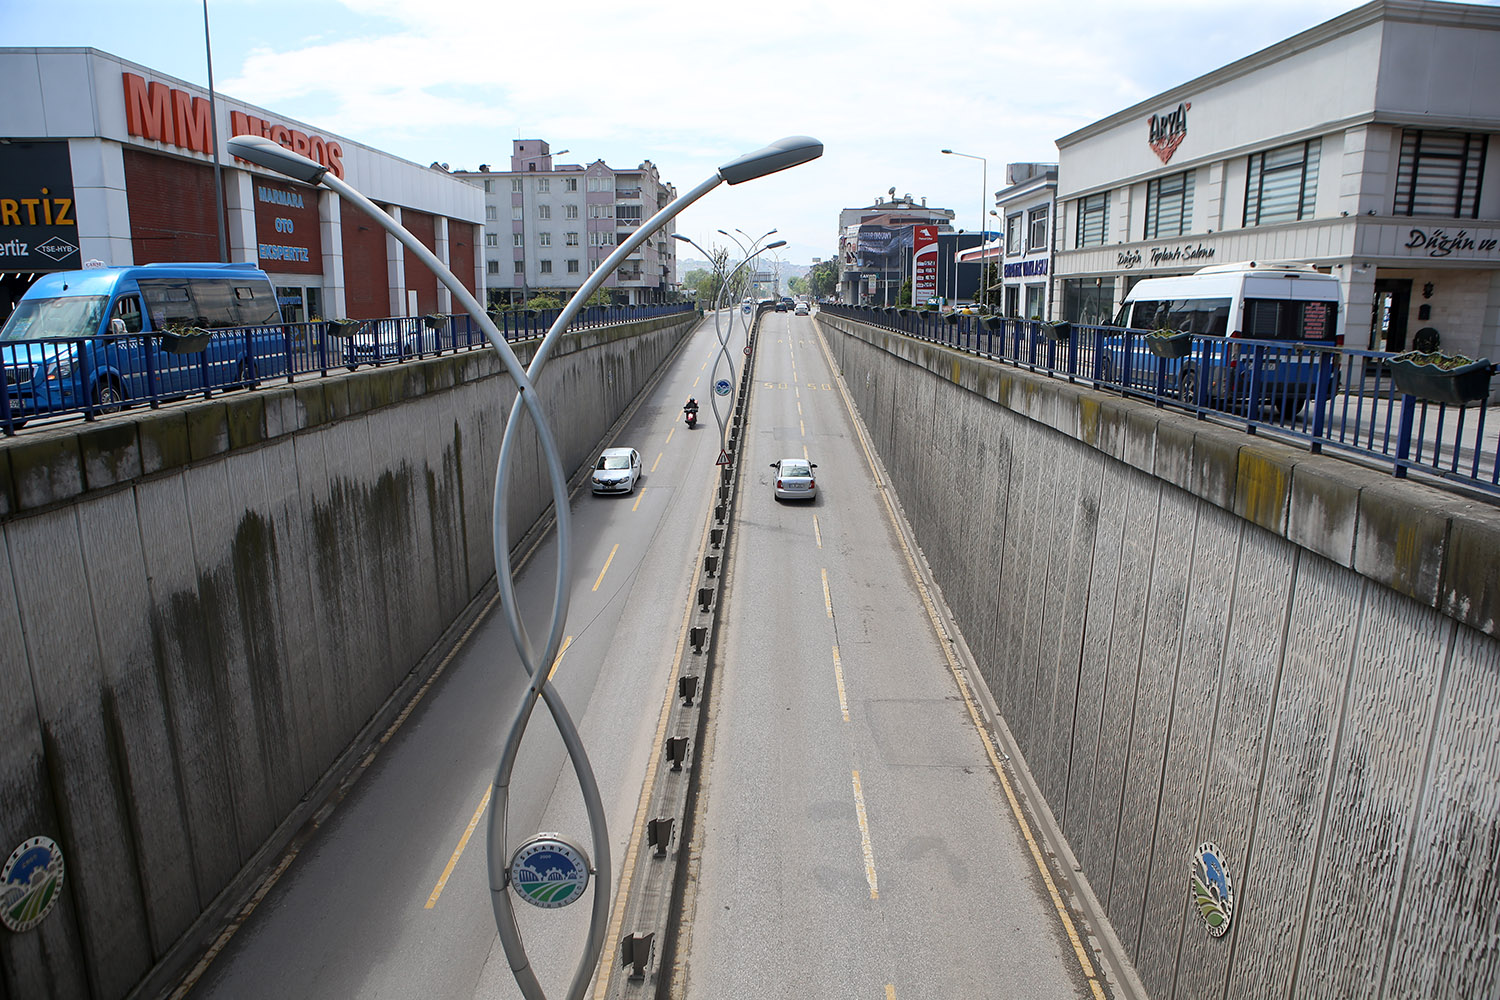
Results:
1195 635
206 604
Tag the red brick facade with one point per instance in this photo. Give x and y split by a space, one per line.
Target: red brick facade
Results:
367 288
419 277
171 209
285 231
462 237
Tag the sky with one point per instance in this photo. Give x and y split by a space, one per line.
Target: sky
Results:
692 85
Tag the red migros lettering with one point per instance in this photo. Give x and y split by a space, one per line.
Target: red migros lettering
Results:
191 115
148 110
176 117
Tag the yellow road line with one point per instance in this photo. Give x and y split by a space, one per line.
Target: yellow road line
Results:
463 842
838 676
799 407
558 658
805 455
639 497
890 991
827 598
802 428
658 459
864 839
606 565
695 383
669 437
817 534
963 689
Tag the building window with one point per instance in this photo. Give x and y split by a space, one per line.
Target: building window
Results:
1282 185
1088 300
601 239
489 187
489 213
573 266
572 239
1169 206
515 185
1035 296
570 211
544 211
1440 173
492 239
546 267
1036 228
515 213
518 265
517 240
543 185
628 212
544 239
601 211
601 184
1013 246
1093 220
492 267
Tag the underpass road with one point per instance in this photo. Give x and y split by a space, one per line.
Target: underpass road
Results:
390 896
857 837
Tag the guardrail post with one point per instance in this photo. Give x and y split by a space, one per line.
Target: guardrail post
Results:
1252 394
1403 433
1320 399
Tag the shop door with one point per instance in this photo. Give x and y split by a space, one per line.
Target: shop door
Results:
1388 320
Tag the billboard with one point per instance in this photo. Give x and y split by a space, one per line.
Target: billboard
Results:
924 265
38 217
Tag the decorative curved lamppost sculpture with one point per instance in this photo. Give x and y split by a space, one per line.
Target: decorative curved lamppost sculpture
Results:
779 155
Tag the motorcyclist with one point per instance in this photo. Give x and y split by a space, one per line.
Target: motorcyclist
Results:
691 406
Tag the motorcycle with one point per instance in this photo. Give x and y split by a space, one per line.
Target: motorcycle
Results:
690 417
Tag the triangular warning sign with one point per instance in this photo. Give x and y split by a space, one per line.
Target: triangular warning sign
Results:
723 458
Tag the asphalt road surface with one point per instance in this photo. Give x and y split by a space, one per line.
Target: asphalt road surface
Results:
857 839
390 898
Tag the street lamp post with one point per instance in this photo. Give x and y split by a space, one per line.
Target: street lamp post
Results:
984 187
784 153
723 354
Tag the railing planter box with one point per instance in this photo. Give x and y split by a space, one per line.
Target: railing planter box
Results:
952 319
992 322
1442 378
434 321
1169 344
1057 331
905 313
185 340
344 327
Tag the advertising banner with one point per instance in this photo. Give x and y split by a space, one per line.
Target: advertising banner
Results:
924 265
38 219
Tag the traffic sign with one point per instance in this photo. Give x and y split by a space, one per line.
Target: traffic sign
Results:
747 350
722 387
723 458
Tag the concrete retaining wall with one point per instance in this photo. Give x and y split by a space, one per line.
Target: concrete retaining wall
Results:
1195 635
205 605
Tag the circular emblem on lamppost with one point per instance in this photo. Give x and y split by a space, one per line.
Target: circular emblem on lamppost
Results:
549 872
1213 892
722 387
30 883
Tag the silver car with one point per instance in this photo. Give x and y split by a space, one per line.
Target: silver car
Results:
617 471
794 479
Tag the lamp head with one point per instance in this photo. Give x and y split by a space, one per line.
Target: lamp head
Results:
948 151
783 153
773 246
274 156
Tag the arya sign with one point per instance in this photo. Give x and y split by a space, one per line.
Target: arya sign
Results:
1168 130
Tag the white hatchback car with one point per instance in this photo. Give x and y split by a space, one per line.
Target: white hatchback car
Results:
617 471
794 479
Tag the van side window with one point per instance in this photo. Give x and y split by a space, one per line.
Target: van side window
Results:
1280 319
128 309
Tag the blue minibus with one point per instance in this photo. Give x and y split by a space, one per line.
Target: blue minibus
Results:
102 337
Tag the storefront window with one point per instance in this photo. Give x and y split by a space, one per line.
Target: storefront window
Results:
1093 220
290 301
1035 306
1089 301
1440 173
1169 206
1283 184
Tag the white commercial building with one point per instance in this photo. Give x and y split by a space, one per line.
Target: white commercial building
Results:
1026 206
107 160
549 225
1360 146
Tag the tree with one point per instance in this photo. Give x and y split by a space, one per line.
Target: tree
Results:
797 285
903 297
823 279
989 276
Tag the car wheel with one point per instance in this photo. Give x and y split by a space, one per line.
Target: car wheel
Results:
109 397
1187 385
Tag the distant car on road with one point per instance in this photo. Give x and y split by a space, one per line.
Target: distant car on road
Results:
794 479
781 307
617 471
801 309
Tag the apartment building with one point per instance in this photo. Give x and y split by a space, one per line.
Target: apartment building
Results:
548 225
1026 205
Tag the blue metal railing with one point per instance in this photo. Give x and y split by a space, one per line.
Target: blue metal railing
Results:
93 375
1330 399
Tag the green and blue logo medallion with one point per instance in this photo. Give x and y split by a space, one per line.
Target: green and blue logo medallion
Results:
549 872
30 883
1213 892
